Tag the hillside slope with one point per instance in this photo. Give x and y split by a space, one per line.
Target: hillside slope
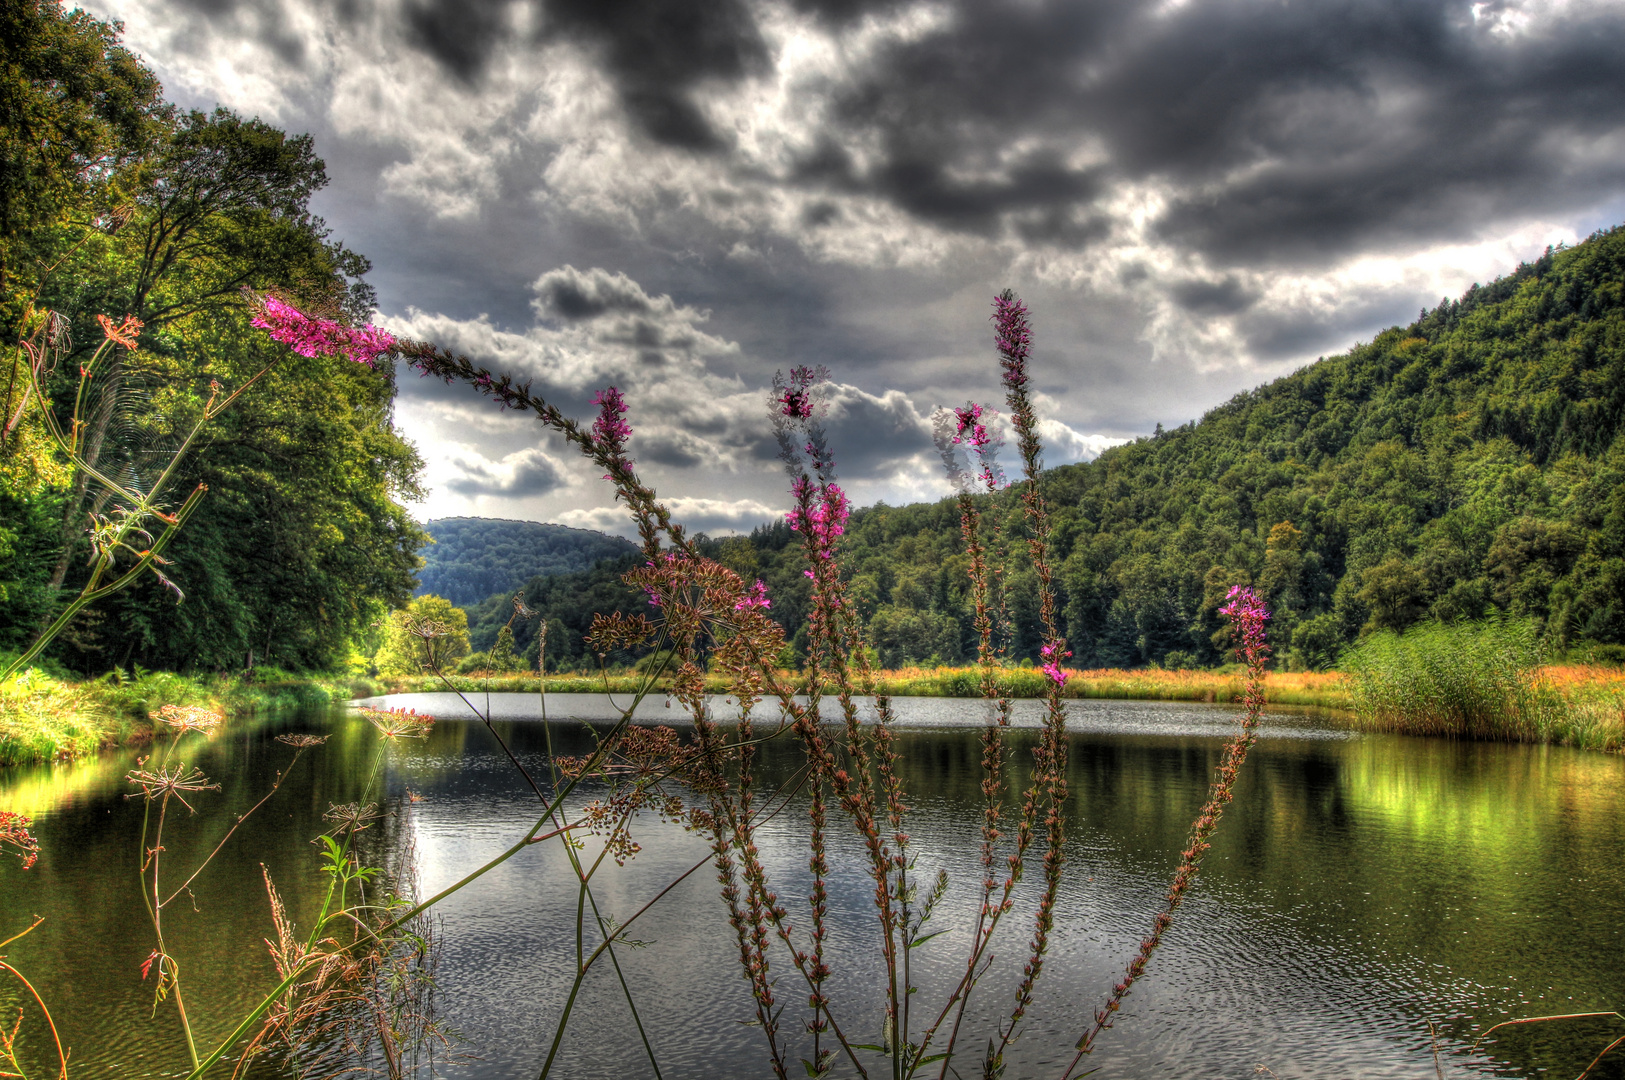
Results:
473 558
1466 464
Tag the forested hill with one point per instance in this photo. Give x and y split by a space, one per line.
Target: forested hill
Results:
1465 464
473 558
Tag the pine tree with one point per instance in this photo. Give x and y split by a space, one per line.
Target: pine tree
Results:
502 651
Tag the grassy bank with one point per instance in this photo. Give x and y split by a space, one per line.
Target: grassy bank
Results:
43 717
1568 704
1316 689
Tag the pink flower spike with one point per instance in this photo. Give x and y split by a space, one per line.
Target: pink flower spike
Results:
609 428
310 336
1248 614
755 597
1052 655
368 343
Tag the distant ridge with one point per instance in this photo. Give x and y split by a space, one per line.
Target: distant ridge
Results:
473 558
1469 464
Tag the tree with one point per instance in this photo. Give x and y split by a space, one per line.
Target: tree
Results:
428 635
502 657
78 108
218 205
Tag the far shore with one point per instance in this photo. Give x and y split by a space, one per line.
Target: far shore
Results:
42 718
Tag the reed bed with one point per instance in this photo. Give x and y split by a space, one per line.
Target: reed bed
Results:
1579 705
1483 680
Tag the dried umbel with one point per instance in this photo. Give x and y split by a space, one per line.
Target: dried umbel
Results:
170 780
352 817
399 723
302 742
641 771
184 718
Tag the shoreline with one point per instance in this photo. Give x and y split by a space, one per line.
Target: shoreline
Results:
44 718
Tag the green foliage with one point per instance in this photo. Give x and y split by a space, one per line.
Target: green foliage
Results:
502 652
429 634
79 109
167 216
471 559
1472 680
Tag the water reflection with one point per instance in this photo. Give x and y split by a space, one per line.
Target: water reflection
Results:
1358 888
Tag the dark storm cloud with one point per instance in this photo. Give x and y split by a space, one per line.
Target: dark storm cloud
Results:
675 448
1223 297
1348 123
657 51
458 33
1377 122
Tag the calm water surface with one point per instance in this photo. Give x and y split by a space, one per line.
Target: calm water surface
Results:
1357 889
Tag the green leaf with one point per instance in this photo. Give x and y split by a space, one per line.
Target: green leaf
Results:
917 942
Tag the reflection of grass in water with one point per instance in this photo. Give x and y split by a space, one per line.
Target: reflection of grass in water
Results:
1481 681
33 790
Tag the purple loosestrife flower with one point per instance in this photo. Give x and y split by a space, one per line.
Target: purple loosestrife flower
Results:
1052 655
755 597
796 399
974 427
310 336
1248 614
1012 337
824 520
609 428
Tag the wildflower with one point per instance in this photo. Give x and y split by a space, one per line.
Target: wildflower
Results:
14 833
825 520
184 718
170 780
399 723
1248 614
1012 338
1052 655
310 336
124 333
302 742
352 817
795 399
755 597
610 430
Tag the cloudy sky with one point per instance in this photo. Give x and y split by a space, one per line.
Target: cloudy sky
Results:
679 197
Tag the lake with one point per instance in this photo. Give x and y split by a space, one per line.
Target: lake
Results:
1358 888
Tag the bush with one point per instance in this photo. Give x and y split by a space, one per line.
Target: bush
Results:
474 662
1465 679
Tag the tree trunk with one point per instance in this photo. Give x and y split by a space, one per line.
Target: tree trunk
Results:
101 420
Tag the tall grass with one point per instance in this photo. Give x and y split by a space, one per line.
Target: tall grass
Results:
1474 680
1466 679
